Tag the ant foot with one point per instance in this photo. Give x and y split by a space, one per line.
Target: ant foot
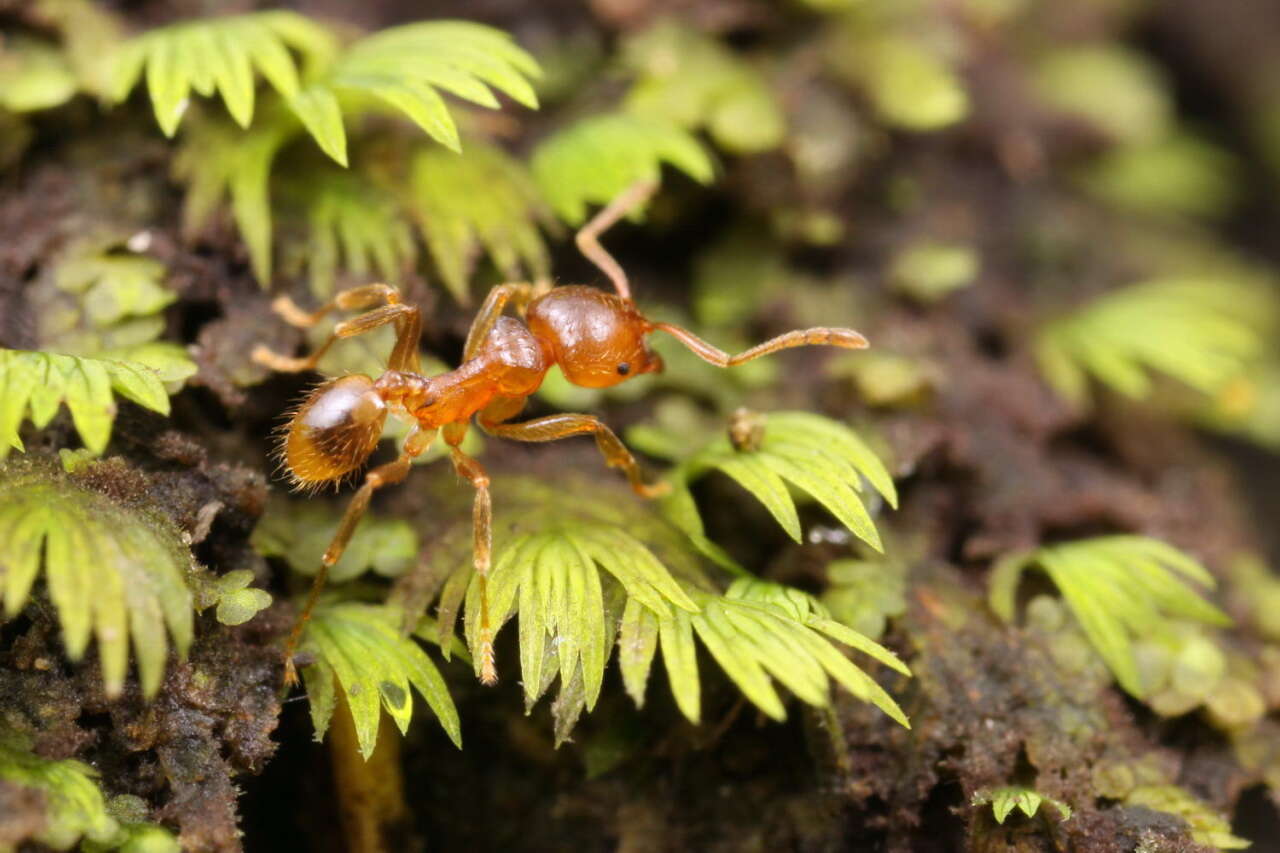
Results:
285 364
488 669
290 673
662 488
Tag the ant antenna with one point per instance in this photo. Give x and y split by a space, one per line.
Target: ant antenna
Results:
820 336
588 238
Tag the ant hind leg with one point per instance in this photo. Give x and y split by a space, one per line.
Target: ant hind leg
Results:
407 319
383 475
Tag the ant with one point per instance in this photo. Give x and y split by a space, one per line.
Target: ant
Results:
597 338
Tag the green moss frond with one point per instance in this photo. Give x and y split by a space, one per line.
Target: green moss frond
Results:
217 162
355 226
407 68
569 553
104 302
815 454
737 274
1180 174
865 594
235 601
34 75
360 649
481 199
35 384
1004 800
1207 826
1204 333
74 806
695 82
114 573
1120 589
883 51
928 271
299 532
552 579
1138 107
219 55
595 159
756 632
136 833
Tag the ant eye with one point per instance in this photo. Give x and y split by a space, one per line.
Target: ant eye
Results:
624 368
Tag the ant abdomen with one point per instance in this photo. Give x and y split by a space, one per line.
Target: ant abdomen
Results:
334 431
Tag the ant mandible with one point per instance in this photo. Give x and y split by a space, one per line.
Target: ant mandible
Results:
597 338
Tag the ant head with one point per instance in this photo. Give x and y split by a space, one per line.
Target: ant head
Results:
597 338
333 432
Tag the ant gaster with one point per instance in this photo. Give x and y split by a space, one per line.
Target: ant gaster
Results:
598 339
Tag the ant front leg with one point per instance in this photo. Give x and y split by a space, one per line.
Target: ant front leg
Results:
588 239
522 292
407 320
383 475
555 427
482 544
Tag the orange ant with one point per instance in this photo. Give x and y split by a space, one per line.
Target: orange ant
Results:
597 338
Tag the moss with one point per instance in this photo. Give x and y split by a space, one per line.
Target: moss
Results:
833 163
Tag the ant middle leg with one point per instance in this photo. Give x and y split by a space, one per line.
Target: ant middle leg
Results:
555 427
407 320
482 540
588 238
383 475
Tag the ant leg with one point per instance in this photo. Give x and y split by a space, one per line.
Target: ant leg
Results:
482 547
588 238
555 427
822 336
522 292
354 298
407 319
383 475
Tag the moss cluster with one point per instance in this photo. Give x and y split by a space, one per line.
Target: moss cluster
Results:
1044 216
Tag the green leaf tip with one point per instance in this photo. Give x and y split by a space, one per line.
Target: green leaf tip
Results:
594 160
821 456
553 580
1120 588
481 199
35 384
114 573
355 226
1004 800
406 69
359 649
1202 332
757 632
218 55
